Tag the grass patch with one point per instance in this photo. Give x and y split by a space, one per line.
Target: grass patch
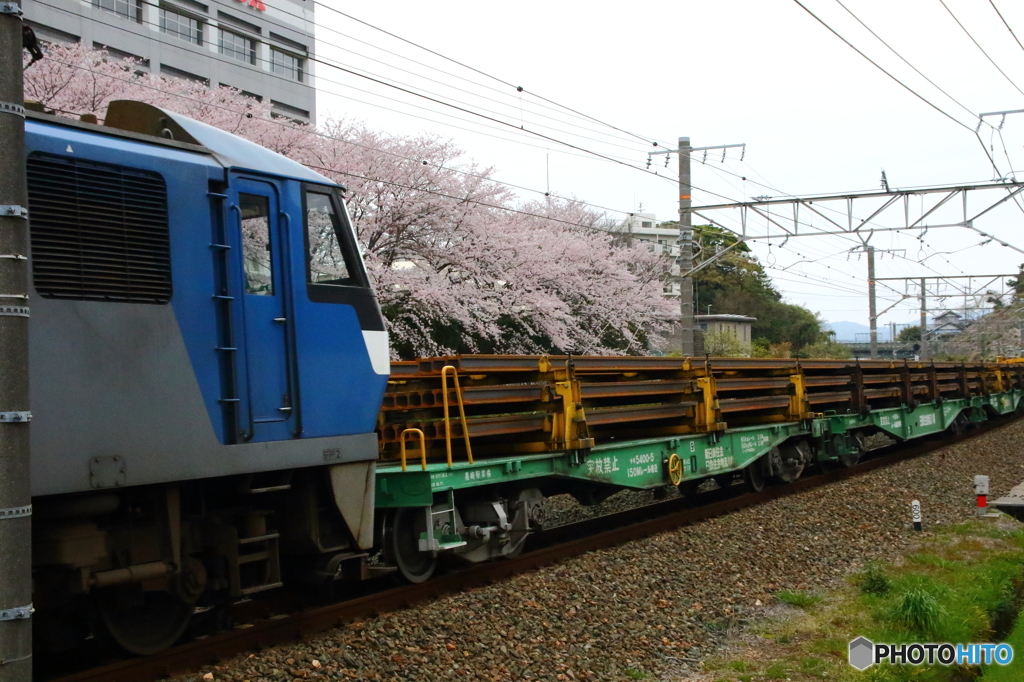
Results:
918 611
635 674
874 581
960 584
798 598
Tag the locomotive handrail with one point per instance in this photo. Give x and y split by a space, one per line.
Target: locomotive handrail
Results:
462 413
423 447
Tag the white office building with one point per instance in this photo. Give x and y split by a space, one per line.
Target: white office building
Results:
262 47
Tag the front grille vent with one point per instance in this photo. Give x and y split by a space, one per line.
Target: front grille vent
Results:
99 231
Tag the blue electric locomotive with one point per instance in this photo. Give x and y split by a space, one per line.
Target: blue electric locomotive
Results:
205 351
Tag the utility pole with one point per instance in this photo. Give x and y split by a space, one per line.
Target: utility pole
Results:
684 261
925 355
872 309
15 492
687 323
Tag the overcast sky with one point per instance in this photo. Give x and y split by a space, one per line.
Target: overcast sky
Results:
816 116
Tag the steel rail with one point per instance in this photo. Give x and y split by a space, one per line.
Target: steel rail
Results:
546 547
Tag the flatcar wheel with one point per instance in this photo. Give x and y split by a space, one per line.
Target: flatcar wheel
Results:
688 488
785 468
402 529
959 425
151 622
753 476
850 458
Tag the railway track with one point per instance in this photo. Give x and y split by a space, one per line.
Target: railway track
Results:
545 548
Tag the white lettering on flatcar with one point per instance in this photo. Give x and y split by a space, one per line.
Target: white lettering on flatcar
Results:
636 472
603 465
645 458
715 458
927 419
754 442
478 474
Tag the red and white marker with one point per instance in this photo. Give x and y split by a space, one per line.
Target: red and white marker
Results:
981 492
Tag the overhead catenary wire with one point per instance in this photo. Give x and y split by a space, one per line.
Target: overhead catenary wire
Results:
505 126
905 61
1007 25
356 144
316 59
485 204
603 208
882 69
978 45
381 180
518 88
645 139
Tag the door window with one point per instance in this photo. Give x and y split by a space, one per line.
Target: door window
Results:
256 253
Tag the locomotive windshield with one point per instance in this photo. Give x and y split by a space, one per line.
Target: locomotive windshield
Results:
332 257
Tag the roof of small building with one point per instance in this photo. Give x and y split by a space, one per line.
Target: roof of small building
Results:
725 318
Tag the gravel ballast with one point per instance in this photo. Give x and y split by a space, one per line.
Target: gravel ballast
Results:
655 606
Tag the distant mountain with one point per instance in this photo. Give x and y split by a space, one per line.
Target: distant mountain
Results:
854 331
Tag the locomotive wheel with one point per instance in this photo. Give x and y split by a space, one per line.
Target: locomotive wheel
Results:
402 529
152 622
753 476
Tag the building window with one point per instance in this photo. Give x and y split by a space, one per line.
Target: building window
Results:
244 93
285 64
181 26
121 54
237 46
129 9
647 223
280 109
45 34
172 72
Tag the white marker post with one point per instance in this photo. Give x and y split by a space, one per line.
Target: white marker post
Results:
915 513
981 492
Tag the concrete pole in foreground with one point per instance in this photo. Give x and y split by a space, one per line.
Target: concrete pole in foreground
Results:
686 312
925 354
872 314
15 493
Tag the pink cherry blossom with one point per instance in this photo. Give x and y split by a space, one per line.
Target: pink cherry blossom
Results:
459 262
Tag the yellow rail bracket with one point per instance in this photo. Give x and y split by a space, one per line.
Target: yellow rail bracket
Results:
462 413
423 447
675 469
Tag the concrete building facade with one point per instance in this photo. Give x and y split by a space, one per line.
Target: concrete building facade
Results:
737 325
644 226
262 47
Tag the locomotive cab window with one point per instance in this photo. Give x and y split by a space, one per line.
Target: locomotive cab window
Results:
331 252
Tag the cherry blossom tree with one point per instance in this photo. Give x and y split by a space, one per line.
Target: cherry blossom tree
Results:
458 262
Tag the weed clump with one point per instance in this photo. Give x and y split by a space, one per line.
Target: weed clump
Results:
874 581
919 611
797 598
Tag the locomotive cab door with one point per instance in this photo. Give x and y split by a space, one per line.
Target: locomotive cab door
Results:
266 291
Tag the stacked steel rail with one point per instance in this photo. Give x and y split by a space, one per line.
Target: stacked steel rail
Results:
520 404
